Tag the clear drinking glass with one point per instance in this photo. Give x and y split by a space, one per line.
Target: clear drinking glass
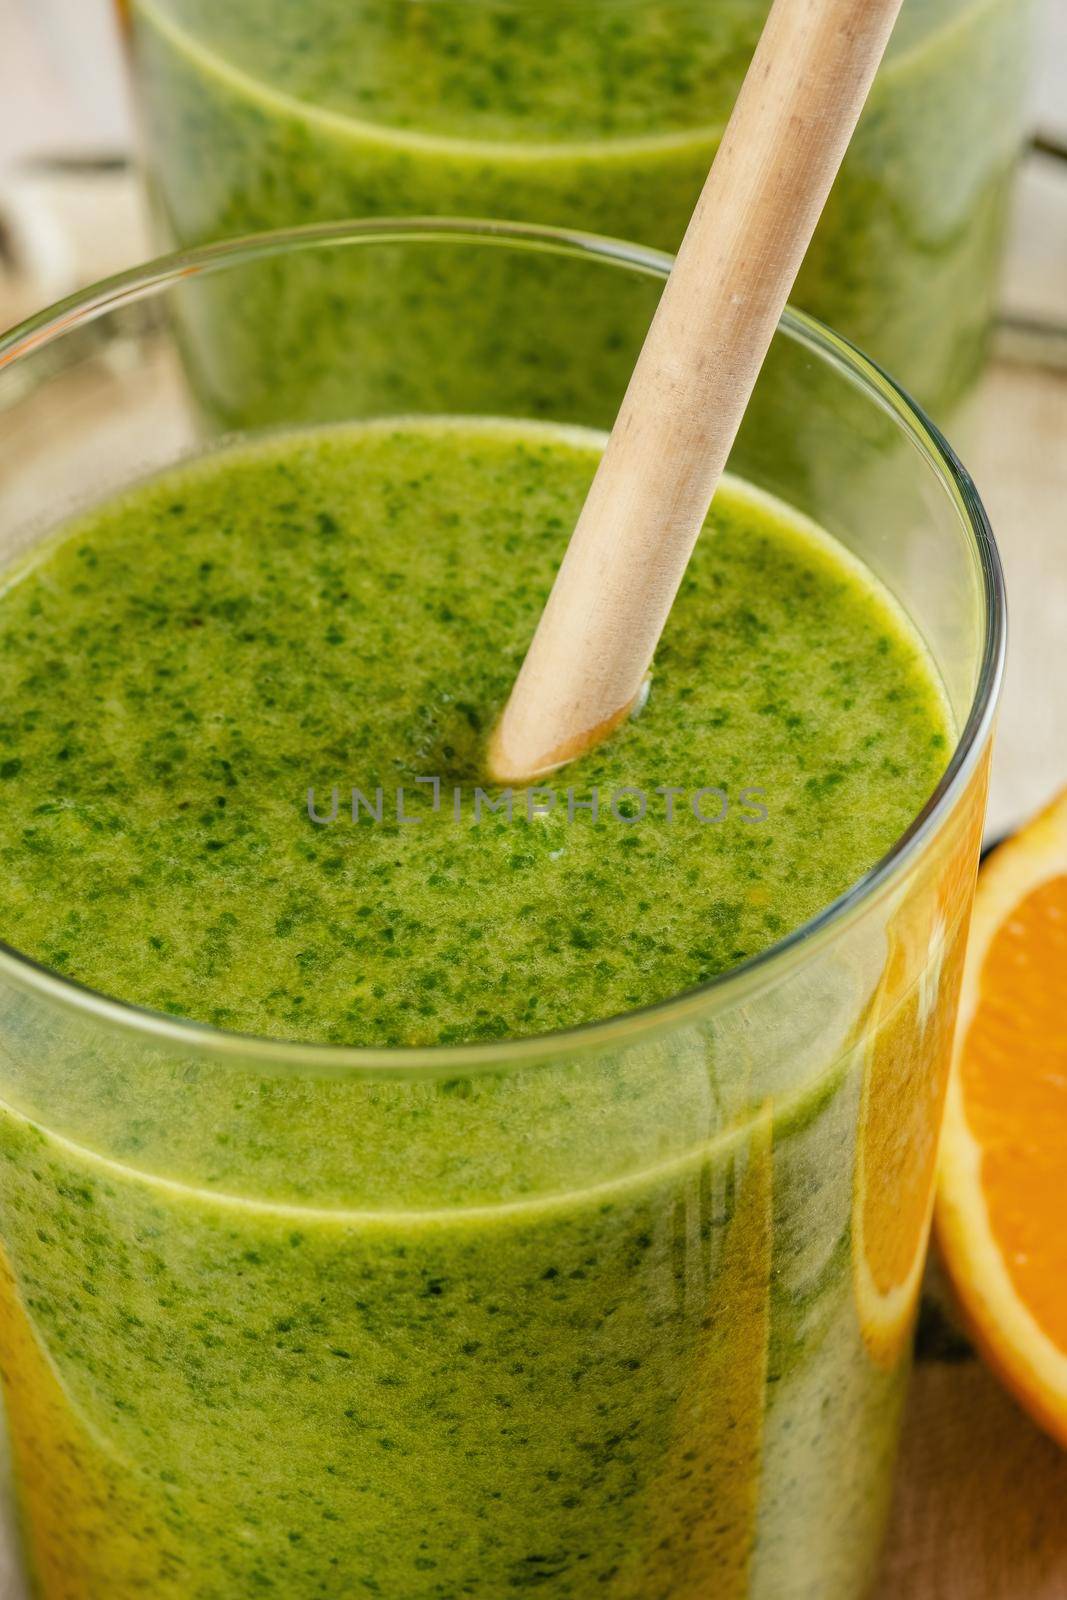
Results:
602 116
260 1331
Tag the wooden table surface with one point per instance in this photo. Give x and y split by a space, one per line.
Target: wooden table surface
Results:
980 1510
981 1506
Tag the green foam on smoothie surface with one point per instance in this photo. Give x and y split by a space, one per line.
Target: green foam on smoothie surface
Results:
346 609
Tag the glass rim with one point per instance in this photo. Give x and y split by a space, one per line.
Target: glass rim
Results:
155 276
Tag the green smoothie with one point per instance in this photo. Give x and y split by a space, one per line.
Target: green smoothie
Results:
602 116
587 1324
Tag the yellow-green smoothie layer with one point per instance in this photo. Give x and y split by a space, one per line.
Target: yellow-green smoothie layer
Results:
584 1326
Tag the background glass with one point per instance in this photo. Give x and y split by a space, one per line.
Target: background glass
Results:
660 1347
603 116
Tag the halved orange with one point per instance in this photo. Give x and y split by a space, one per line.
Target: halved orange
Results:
906 1066
1002 1188
906 1037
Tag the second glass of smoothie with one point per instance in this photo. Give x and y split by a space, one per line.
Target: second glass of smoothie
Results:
603 115
411 1188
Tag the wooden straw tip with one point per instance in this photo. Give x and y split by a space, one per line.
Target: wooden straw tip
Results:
516 758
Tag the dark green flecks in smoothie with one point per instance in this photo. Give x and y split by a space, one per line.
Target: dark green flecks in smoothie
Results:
346 611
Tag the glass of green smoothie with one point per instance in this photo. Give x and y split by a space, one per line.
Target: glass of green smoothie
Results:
603 115
412 1188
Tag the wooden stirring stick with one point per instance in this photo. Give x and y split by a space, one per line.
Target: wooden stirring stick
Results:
784 143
